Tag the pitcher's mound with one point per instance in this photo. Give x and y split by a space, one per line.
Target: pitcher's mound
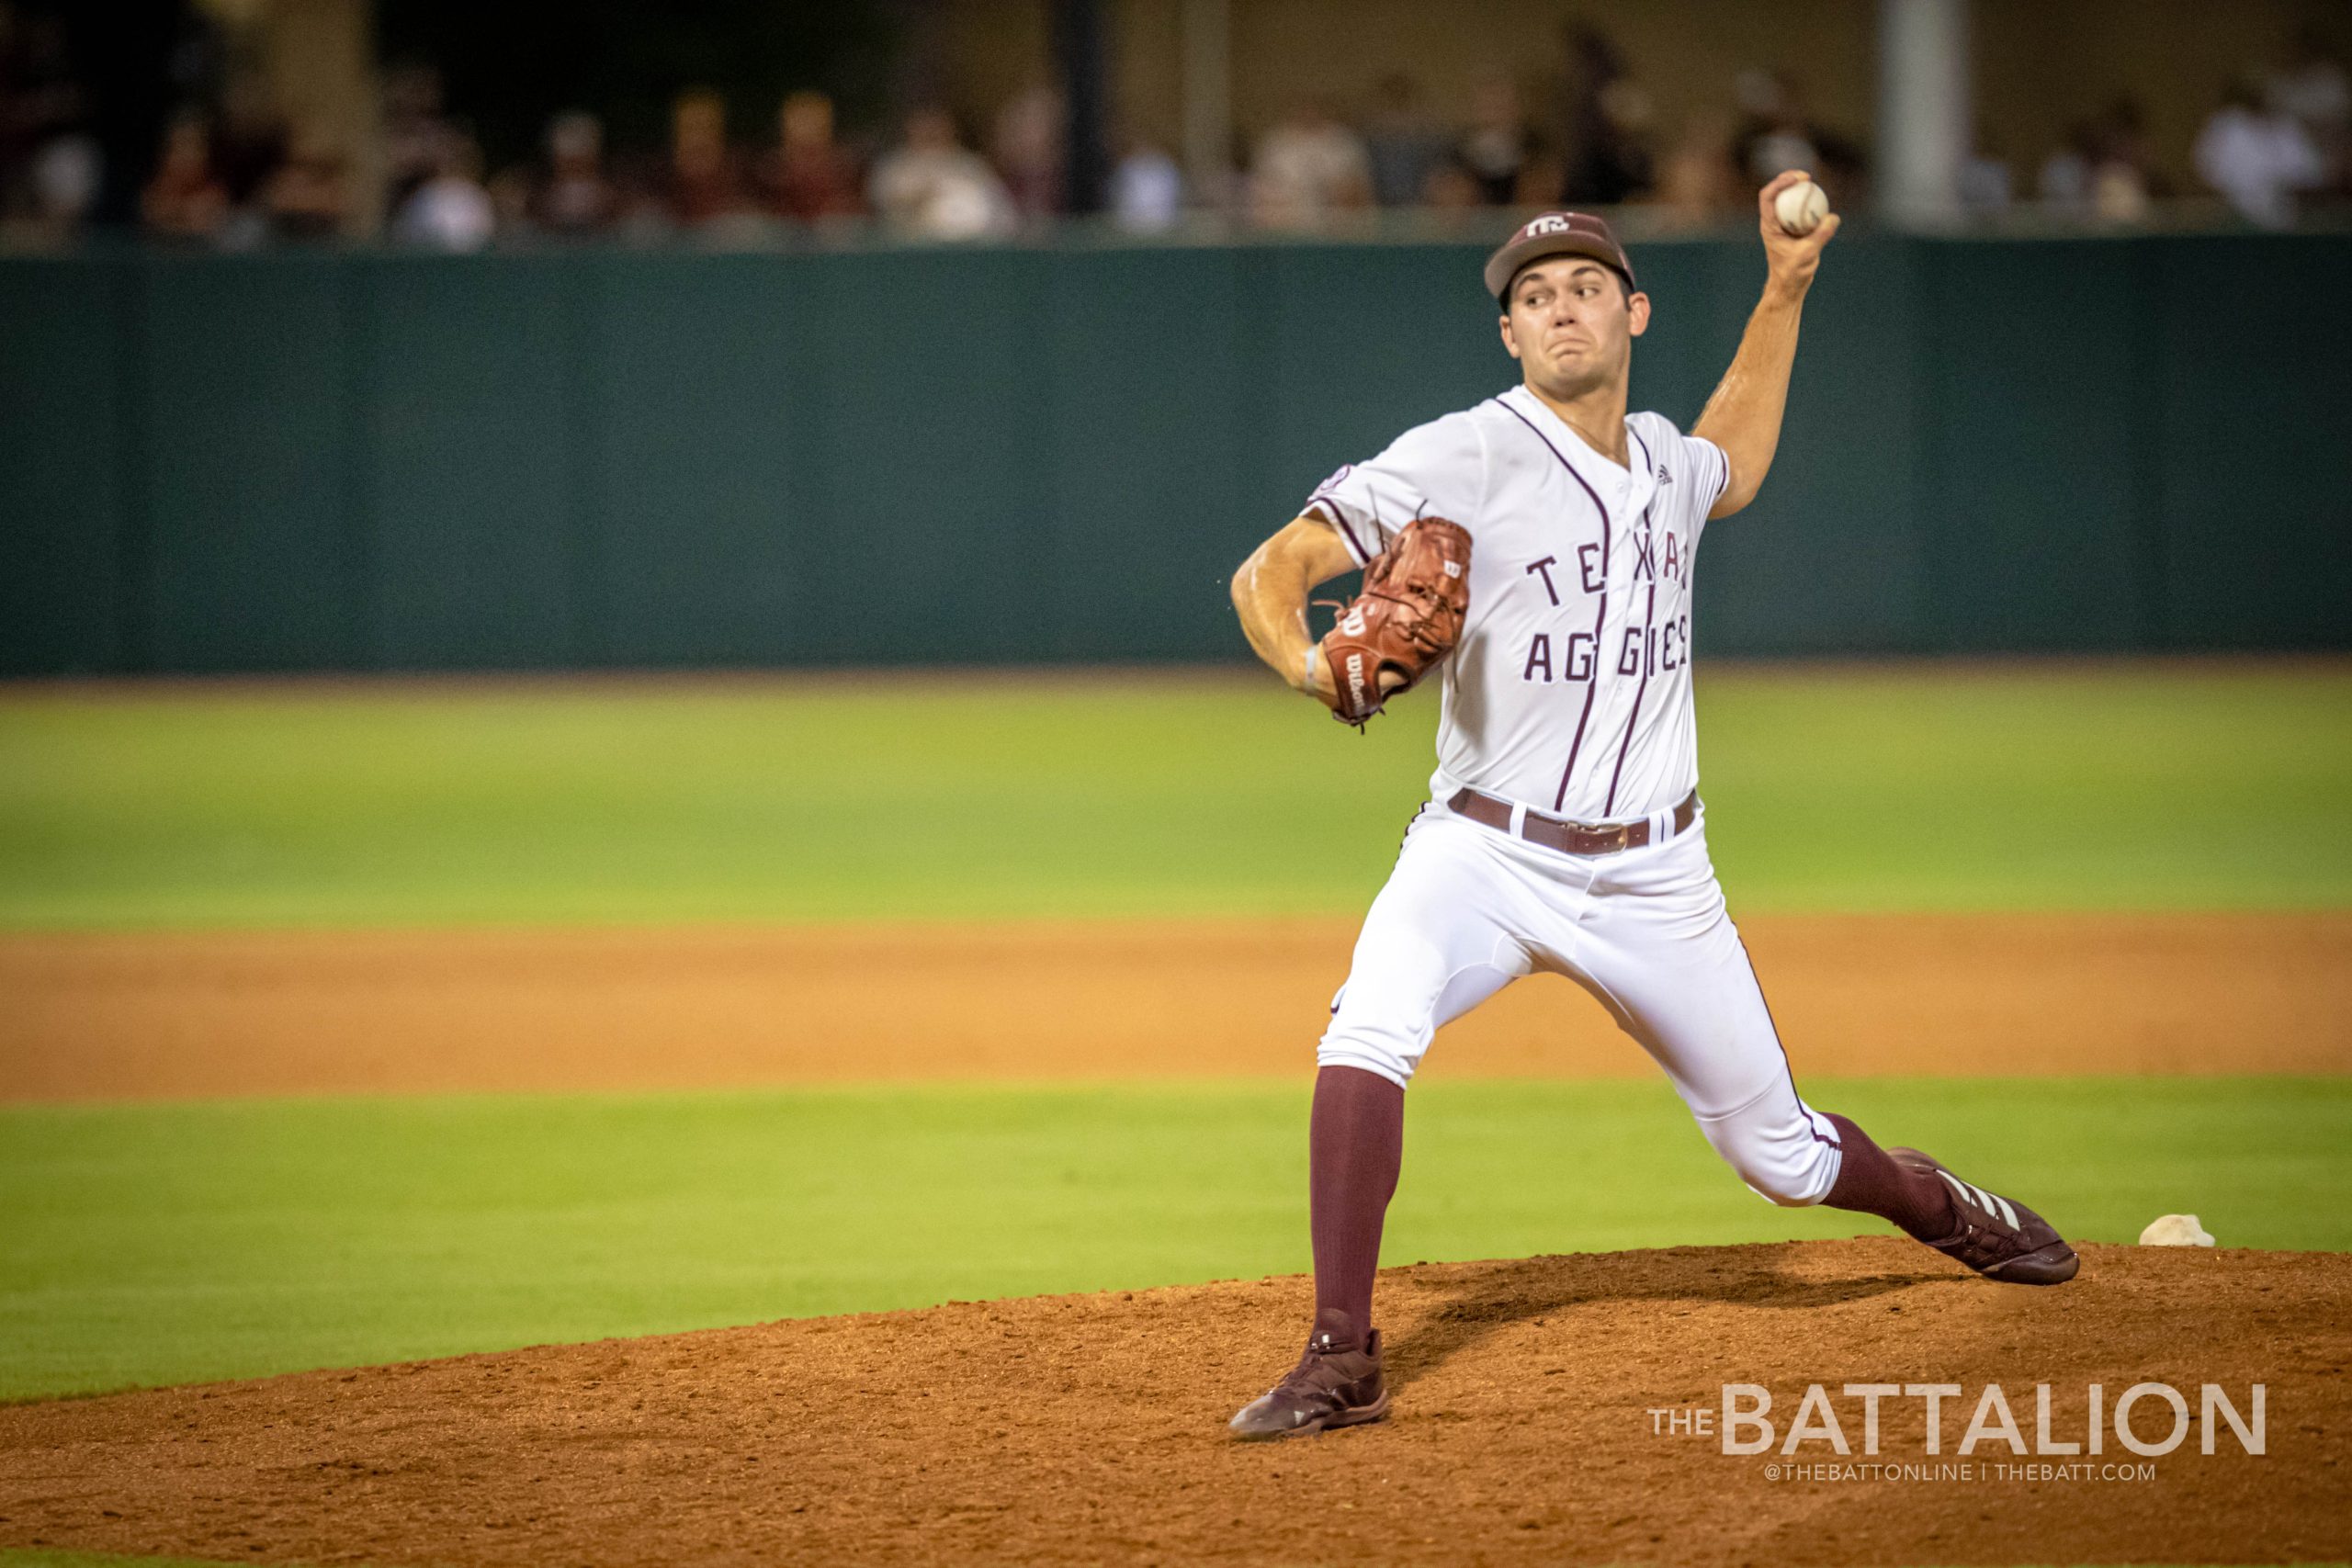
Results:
1544 1414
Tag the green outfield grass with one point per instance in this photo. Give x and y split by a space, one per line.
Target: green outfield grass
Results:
166 1243
2038 787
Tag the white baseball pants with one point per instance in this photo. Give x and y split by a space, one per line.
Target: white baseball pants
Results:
1470 908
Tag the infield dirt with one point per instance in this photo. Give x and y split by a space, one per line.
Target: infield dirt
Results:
1087 1429
129 1015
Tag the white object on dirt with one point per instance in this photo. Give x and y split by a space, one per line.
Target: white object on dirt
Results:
2175 1230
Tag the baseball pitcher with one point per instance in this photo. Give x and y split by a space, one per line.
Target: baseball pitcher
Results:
1536 553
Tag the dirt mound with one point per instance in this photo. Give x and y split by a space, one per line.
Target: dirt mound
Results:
1090 1428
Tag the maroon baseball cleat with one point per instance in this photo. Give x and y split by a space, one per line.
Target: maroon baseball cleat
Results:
1334 1385
1999 1237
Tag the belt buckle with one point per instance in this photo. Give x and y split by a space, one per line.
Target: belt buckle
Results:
1583 839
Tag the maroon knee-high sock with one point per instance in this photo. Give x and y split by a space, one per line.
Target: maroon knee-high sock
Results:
1871 1182
1355 1146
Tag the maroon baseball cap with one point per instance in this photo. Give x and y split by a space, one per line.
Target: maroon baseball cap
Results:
1555 234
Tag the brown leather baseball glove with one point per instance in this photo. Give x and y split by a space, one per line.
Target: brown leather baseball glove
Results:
1408 617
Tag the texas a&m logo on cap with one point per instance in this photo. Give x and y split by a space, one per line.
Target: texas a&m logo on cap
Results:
1555 233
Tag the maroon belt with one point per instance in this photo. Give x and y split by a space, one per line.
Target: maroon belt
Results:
1570 838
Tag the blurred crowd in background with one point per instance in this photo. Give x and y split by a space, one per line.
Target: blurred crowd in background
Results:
231 172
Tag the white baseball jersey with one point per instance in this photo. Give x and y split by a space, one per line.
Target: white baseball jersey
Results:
1570 690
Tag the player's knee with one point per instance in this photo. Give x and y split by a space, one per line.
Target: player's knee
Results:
1373 1051
1768 1174
1779 1158
1778 1184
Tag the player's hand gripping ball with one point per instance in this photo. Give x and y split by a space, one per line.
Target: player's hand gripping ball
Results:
1408 617
1801 208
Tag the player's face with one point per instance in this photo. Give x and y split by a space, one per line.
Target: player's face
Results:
1572 325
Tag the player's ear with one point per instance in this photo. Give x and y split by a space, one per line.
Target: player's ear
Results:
1637 313
1510 343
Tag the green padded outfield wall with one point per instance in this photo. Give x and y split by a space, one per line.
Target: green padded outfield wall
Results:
642 459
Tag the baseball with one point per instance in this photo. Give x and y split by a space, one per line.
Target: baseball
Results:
1801 208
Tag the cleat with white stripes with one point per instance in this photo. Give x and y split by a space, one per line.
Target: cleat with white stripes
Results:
1999 1237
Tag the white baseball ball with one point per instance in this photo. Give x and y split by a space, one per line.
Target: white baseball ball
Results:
1801 208
2175 1230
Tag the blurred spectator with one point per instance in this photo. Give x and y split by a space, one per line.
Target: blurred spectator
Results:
186 200
1028 148
304 199
60 188
2121 194
2311 86
249 145
2124 185
2065 182
1606 124
1307 166
1147 189
2098 172
1403 143
933 187
576 198
1498 149
413 129
2102 173
811 175
451 210
1780 132
1453 187
2258 158
37 76
1985 185
1774 135
1453 201
704 184
1698 182
514 193
40 98
1222 185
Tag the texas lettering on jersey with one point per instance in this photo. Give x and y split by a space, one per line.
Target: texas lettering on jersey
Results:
1653 648
1570 689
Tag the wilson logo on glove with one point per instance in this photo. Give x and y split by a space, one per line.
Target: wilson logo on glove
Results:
1408 616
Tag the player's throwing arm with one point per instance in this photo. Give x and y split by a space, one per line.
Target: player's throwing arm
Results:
1744 416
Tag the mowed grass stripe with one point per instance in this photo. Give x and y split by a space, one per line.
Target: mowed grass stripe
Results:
158 1243
2036 787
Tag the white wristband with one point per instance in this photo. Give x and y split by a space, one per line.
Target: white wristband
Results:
1308 683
